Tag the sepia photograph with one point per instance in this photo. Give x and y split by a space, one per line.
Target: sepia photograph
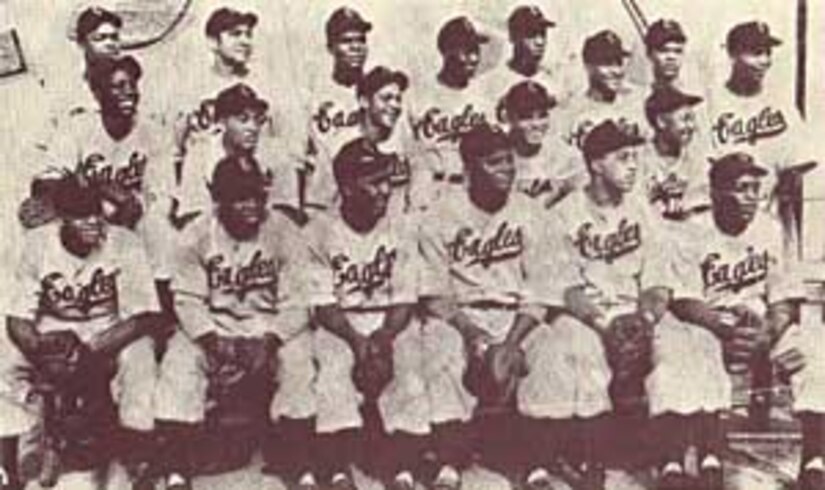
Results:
412 245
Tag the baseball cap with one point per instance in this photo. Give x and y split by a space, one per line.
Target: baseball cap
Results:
750 35
603 48
226 18
725 170
459 32
609 136
527 20
378 78
667 99
232 182
344 20
101 70
664 31
480 141
359 159
236 99
72 198
527 97
92 18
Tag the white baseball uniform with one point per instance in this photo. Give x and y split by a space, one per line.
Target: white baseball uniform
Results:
239 289
722 270
88 295
583 112
555 169
675 183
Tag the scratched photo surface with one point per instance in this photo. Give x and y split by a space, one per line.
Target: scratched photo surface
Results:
421 244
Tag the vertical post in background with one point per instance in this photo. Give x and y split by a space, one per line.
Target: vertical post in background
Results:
801 54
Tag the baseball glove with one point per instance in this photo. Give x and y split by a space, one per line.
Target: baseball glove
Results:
629 346
745 339
493 375
374 371
59 356
127 208
232 360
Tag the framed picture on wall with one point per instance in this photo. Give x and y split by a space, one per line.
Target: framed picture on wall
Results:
11 56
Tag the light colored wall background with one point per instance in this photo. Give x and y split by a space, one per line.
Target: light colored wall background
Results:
290 48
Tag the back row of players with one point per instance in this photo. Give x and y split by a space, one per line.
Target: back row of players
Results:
467 227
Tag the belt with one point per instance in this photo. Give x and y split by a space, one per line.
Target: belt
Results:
448 178
492 305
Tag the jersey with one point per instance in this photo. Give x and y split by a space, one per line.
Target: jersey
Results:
438 117
367 273
675 185
583 112
551 173
611 252
242 288
723 270
88 295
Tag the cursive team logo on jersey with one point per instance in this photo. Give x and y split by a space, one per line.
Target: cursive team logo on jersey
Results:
97 170
436 125
260 272
609 246
95 298
731 128
719 275
365 277
329 118
536 187
471 249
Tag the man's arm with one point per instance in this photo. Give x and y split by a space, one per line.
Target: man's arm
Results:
526 320
697 312
581 307
779 317
115 338
447 310
23 333
332 318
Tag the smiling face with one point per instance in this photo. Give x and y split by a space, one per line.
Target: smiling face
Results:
667 60
530 128
739 200
607 77
464 60
753 64
103 42
495 171
679 125
383 108
86 233
618 168
242 130
234 45
350 50
370 194
119 94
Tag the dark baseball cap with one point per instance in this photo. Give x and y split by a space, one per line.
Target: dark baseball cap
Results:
527 97
92 18
750 36
344 20
74 198
359 159
378 78
664 31
459 32
232 181
667 99
482 140
725 170
226 18
237 99
609 136
604 47
527 20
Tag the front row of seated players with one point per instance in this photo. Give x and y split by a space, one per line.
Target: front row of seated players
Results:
479 306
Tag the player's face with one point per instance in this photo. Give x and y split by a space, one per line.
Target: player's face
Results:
680 125
497 170
533 45
667 60
531 128
741 198
87 232
466 59
121 94
245 214
384 107
608 77
350 49
242 131
753 64
234 45
103 42
373 193
618 168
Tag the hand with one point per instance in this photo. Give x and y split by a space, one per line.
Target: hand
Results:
219 351
789 363
381 341
374 371
477 341
507 361
629 344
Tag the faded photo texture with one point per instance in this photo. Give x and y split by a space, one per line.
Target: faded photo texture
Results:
475 281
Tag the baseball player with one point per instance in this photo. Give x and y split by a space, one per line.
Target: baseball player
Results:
665 42
334 108
674 163
746 115
546 168
83 303
380 95
608 93
740 296
527 28
369 348
445 108
238 282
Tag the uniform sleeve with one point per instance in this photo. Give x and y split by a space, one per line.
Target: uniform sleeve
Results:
785 280
306 276
191 290
317 279
139 294
407 265
24 301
